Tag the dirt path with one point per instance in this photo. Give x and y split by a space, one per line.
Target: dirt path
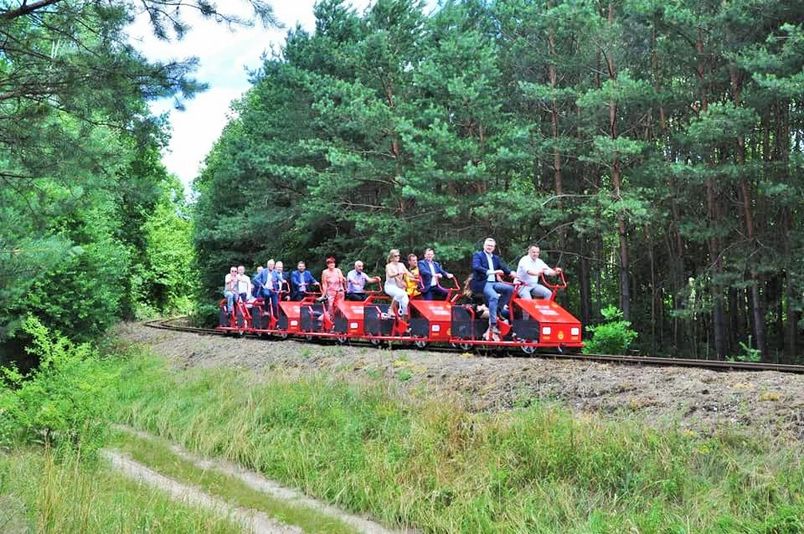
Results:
259 483
252 520
701 400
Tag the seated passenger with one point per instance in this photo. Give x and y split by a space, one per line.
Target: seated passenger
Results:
300 282
230 288
412 281
395 273
486 267
530 268
332 283
356 281
243 283
430 272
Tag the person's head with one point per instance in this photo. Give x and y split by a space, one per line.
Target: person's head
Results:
429 254
301 266
331 262
270 264
393 255
260 269
233 270
359 266
488 245
241 269
279 266
533 251
412 260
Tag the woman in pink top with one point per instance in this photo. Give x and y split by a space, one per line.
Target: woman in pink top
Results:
332 282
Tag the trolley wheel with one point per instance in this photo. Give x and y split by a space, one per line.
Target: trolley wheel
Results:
528 349
282 335
420 344
342 339
308 337
465 346
375 342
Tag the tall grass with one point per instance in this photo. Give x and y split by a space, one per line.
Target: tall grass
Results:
43 493
434 465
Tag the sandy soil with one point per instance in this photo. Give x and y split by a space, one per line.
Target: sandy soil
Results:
768 403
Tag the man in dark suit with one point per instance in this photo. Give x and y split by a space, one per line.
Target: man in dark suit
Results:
430 272
486 266
300 281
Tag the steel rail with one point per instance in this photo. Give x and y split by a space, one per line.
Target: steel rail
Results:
721 365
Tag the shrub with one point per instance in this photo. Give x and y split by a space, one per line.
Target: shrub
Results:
613 336
63 402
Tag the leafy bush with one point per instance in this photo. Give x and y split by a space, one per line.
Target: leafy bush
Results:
64 402
612 337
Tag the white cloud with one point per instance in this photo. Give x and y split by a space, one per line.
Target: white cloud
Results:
225 57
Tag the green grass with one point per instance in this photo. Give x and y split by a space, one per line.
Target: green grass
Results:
39 493
435 466
157 455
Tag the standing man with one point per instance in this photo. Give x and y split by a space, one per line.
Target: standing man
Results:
486 267
356 281
530 268
431 273
300 281
273 283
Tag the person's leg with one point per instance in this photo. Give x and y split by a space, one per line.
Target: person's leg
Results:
403 304
524 293
438 293
539 291
427 294
505 292
230 296
492 298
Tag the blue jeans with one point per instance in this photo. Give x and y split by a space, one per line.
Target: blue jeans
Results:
231 298
497 296
273 297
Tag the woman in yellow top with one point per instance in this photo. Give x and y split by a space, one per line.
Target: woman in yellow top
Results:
412 287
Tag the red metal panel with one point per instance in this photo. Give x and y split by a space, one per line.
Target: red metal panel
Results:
353 312
439 315
293 311
556 325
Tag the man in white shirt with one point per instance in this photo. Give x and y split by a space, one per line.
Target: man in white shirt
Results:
530 268
356 281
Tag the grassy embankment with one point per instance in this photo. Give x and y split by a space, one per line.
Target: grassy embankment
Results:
435 466
40 492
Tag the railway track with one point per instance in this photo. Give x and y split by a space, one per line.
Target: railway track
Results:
721 365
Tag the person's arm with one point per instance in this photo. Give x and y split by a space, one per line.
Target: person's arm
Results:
324 283
504 267
441 270
343 280
480 272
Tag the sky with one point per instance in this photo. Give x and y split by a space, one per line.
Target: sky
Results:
225 58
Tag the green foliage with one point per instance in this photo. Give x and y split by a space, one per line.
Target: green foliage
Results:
747 354
64 403
637 138
614 336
